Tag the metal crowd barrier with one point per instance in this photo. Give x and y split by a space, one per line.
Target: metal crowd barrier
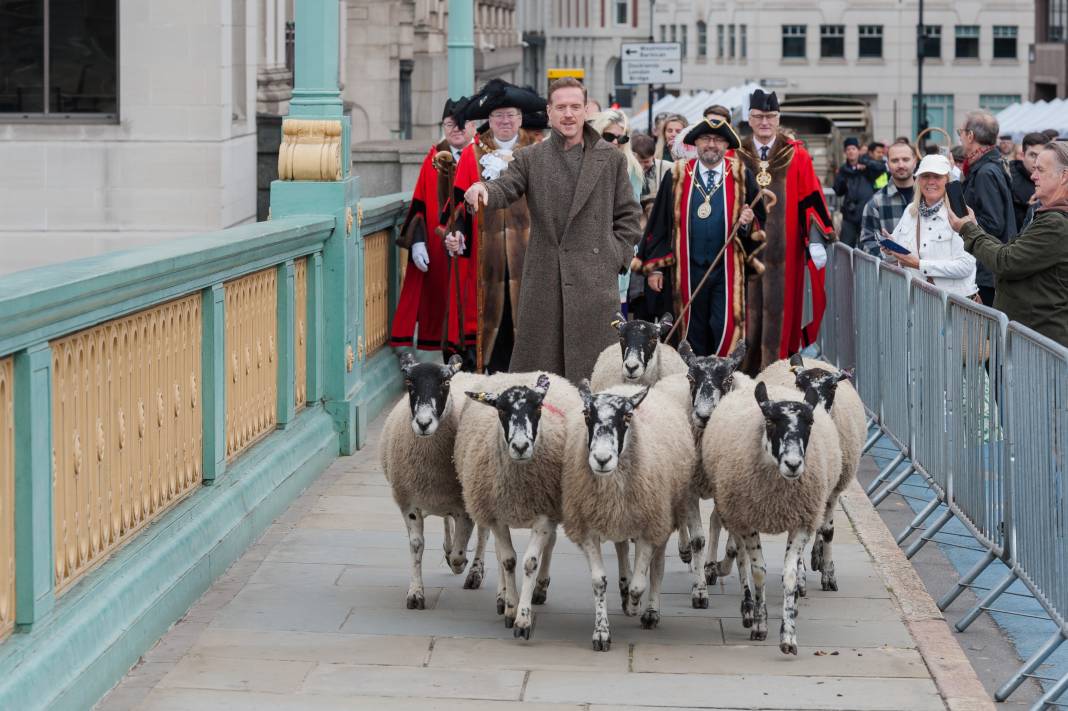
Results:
978 407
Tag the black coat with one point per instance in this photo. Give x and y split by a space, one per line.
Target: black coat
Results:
986 190
1022 189
857 185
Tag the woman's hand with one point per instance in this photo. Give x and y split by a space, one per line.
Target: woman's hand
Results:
655 281
910 260
746 218
958 223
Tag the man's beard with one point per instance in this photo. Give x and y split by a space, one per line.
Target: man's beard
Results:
711 157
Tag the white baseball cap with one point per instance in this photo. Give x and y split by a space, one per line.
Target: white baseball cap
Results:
937 164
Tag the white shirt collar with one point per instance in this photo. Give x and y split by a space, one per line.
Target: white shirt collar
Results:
506 145
770 144
703 172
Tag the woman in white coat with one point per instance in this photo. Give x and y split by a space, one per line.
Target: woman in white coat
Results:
936 252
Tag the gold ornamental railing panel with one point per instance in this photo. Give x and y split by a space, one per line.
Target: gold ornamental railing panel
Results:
7 496
252 361
300 332
376 281
126 429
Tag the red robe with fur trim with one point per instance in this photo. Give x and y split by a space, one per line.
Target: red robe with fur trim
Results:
776 298
425 295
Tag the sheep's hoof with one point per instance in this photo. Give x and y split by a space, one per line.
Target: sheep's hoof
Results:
788 648
829 583
541 593
748 613
817 555
458 564
699 602
500 606
757 635
802 588
710 573
509 621
416 601
474 580
602 641
650 619
686 555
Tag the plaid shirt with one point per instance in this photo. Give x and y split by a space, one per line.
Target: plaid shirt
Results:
882 212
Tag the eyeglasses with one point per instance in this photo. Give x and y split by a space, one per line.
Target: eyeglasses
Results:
615 138
962 131
449 126
760 118
505 115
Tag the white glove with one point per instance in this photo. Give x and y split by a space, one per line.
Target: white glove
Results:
420 256
456 243
819 255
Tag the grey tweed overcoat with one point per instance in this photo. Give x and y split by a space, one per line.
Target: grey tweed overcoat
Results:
581 236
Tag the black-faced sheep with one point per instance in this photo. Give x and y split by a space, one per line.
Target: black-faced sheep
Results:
509 456
640 359
627 475
417 457
775 459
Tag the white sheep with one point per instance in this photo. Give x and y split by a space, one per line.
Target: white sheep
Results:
841 400
627 475
640 358
509 456
774 456
417 458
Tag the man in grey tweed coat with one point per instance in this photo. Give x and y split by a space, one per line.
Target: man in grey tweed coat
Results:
583 228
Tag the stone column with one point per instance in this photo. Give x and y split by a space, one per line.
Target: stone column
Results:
273 80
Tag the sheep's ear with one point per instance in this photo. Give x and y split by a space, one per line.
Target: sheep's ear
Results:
542 386
407 361
585 394
761 394
665 323
483 397
797 361
636 398
812 398
456 363
618 321
738 354
686 351
846 374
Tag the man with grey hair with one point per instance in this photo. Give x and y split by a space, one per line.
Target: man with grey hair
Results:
986 187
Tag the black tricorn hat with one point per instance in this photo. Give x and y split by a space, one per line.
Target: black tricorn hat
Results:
537 121
763 102
450 107
456 110
714 126
497 94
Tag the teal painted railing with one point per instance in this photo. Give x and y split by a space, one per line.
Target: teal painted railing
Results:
164 404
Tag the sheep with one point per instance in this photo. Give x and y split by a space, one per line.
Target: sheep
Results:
511 479
641 358
417 458
841 400
774 462
627 475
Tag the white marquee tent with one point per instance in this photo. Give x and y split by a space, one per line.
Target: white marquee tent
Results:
1029 116
735 98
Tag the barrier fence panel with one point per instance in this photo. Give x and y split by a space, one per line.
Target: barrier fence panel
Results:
845 324
893 327
866 322
828 335
927 346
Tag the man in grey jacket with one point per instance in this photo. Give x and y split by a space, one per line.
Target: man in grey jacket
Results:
986 187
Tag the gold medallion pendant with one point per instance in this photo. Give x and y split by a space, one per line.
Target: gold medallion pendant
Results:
763 178
704 210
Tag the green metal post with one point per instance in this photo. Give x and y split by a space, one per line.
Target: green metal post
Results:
315 86
314 336
461 46
34 590
213 380
287 345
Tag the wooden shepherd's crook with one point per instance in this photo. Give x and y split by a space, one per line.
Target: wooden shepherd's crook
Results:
768 204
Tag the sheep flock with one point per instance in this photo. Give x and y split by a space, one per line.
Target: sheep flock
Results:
628 460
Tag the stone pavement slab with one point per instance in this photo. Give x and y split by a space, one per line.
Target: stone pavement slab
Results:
313 617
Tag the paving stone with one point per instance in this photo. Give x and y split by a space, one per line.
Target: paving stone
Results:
454 653
339 679
759 691
205 700
200 672
313 647
671 658
823 633
306 574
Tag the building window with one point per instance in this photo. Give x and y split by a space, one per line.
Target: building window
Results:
1005 41
70 70
719 41
967 41
702 39
663 33
622 12
932 42
684 31
832 41
744 42
793 41
938 109
997 102
674 33
870 43
1058 21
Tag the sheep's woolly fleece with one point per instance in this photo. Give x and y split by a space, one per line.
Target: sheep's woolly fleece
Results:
608 370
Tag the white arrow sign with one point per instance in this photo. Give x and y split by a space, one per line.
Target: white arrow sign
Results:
651 63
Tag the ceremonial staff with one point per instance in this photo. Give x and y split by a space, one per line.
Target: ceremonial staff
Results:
445 165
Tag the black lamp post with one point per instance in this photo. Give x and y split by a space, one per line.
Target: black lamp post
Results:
921 50
652 38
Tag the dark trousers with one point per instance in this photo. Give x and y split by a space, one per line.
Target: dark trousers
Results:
850 233
502 346
986 295
707 310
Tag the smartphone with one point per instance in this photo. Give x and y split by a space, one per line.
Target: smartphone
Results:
894 246
955 195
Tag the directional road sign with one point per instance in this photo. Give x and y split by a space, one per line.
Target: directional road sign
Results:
651 63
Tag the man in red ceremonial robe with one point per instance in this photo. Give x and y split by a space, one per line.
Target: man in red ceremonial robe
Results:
432 280
495 241
697 207
796 228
